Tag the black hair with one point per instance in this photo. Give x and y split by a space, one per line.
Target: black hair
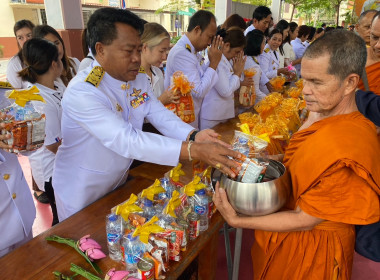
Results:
323 24
41 31
101 26
19 25
234 36
347 51
261 12
303 30
234 20
273 32
254 40
312 33
201 18
329 28
84 42
38 55
281 26
292 27
319 30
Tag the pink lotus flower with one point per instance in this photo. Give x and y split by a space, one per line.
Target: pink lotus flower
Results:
112 274
86 243
95 254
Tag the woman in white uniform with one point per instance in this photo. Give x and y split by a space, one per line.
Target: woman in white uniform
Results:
283 27
218 105
70 64
23 31
289 55
43 69
255 47
270 59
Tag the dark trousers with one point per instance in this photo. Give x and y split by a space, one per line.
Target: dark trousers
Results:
50 194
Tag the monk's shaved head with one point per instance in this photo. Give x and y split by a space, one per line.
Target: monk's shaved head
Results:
347 51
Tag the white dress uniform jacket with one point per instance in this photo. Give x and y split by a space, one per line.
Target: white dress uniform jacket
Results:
17 211
157 80
42 160
299 49
182 57
101 133
249 29
289 54
15 66
269 62
253 62
218 104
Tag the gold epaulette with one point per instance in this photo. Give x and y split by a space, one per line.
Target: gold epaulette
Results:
95 76
267 50
141 70
5 85
188 47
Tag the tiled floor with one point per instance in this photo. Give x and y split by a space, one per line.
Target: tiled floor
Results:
363 269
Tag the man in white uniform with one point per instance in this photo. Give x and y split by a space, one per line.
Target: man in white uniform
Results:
104 108
261 18
17 211
185 57
299 45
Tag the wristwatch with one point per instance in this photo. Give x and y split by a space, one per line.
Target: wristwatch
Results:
192 135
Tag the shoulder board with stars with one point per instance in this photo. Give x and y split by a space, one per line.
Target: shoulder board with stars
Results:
188 47
267 50
5 85
141 70
95 76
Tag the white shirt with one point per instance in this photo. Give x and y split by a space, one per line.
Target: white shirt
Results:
289 54
86 61
42 160
102 135
219 103
17 210
249 29
14 66
299 49
157 80
269 62
252 62
183 57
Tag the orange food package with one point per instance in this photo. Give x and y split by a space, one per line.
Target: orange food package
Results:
278 83
247 95
174 238
157 266
136 220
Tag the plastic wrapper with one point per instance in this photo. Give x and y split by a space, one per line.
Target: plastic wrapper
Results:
158 248
278 83
155 192
158 266
185 107
250 119
174 237
252 171
127 207
299 84
199 167
293 73
247 95
267 105
174 176
294 92
25 121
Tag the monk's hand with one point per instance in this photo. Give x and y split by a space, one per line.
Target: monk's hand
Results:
217 155
224 207
5 137
279 157
209 135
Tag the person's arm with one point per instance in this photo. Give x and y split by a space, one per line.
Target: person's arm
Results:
14 66
227 83
284 221
369 105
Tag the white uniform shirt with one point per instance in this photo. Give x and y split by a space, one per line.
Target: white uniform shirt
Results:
14 66
289 54
102 135
42 160
17 210
219 103
157 80
252 62
269 62
182 57
249 29
299 49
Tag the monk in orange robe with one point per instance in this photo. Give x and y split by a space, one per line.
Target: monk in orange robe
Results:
332 170
373 59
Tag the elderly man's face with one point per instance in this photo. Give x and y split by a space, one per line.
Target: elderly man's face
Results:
375 37
364 26
323 92
122 58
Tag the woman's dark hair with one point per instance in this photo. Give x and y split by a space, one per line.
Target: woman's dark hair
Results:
312 33
293 26
84 42
234 36
38 55
273 32
303 30
234 20
41 31
19 25
254 40
329 28
281 26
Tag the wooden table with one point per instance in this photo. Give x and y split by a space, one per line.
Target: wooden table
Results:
38 258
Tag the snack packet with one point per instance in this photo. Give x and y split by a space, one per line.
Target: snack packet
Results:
247 95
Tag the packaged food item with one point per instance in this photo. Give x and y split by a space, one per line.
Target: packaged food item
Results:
293 73
250 119
194 224
175 175
154 192
127 208
278 83
159 249
185 107
174 238
25 121
252 171
157 266
299 84
247 95
266 106
145 269
198 167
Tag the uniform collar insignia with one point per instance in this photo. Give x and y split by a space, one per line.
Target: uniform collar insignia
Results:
267 50
188 47
255 60
118 108
95 76
136 92
142 70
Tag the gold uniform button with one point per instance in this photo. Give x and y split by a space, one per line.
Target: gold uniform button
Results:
6 176
123 86
128 86
274 68
14 195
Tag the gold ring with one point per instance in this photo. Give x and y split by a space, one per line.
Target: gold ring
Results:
218 165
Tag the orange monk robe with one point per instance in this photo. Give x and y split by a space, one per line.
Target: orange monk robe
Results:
373 76
335 173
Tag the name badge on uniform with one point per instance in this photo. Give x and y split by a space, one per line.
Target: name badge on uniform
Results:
139 99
